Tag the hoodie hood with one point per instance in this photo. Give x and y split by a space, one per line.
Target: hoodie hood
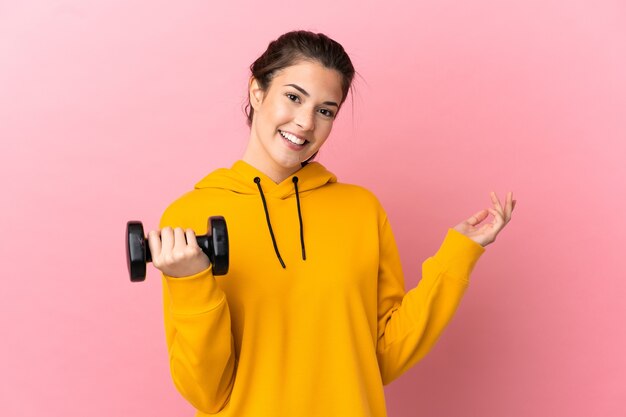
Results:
243 178
240 178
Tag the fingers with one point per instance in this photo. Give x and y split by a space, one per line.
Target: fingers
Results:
495 201
170 240
478 217
506 213
497 212
509 205
186 244
191 238
497 218
154 242
180 242
167 239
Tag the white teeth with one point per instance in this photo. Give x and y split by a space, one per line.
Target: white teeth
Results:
292 138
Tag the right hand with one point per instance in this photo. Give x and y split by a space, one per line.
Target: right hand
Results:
176 253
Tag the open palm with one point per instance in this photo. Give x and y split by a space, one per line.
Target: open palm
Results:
486 233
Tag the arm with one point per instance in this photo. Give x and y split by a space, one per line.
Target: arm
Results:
410 324
198 334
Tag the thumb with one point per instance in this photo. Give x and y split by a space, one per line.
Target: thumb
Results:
478 217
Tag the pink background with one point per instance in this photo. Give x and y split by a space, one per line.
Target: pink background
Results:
109 110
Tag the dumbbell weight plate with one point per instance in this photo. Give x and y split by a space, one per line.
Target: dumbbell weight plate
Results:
136 254
215 244
219 236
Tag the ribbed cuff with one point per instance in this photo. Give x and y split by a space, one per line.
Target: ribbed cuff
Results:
194 294
458 254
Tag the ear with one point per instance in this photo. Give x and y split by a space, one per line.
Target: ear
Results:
255 92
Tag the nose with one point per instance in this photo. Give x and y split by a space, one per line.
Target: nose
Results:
306 119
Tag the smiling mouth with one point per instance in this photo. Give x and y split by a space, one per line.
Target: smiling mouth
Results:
293 139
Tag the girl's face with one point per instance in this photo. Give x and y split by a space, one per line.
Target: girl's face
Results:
293 118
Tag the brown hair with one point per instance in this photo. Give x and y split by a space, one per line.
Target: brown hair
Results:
293 47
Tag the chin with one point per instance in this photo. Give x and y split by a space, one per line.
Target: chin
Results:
289 163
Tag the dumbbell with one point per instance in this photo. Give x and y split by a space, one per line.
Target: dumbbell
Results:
214 244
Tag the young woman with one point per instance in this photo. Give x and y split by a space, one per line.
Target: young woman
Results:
312 318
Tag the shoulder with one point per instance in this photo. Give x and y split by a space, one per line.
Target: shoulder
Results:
354 189
183 209
357 195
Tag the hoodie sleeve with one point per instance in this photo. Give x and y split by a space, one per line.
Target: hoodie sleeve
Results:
198 334
409 324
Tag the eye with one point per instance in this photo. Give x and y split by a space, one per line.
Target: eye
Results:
295 98
328 113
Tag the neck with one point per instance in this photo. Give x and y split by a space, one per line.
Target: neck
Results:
267 166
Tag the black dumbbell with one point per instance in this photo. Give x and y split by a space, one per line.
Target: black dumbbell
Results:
214 244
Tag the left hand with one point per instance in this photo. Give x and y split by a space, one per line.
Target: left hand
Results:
487 233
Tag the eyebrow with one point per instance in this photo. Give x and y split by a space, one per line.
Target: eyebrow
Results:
303 91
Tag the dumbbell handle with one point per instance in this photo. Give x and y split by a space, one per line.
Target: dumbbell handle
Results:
203 242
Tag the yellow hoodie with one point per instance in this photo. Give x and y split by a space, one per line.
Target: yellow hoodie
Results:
312 318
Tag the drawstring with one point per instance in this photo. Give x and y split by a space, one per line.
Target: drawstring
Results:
257 180
295 183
